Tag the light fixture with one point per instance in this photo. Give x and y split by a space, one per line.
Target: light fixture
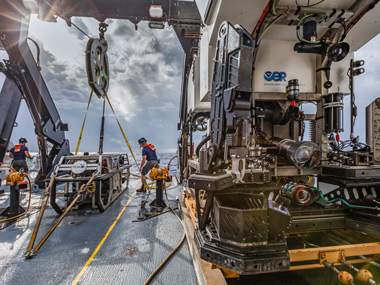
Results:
358 63
155 11
356 67
156 25
358 71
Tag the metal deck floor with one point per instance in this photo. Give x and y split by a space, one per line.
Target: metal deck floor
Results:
67 250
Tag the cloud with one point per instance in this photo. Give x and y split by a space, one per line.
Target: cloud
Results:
125 30
81 25
145 83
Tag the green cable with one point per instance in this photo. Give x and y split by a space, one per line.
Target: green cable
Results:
343 201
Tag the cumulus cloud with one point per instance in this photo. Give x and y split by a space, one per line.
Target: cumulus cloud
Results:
81 25
145 81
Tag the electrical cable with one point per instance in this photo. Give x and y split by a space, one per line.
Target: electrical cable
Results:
343 23
279 17
306 242
370 7
343 201
263 16
158 269
272 10
170 161
206 139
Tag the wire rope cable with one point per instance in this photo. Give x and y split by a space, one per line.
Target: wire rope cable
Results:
66 19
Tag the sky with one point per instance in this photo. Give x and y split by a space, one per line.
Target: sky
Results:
145 84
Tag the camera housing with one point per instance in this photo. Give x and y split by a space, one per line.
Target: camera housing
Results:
335 52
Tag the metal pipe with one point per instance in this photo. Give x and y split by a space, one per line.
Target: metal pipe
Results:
351 99
14 201
82 189
343 276
362 274
102 130
372 262
317 265
191 139
37 226
159 193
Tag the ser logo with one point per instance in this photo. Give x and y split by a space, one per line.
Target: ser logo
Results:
275 76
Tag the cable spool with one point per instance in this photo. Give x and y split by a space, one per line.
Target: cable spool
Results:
300 194
313 130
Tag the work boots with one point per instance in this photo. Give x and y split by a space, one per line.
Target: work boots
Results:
141 189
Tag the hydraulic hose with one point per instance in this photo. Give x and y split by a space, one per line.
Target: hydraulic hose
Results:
38 51
170 161
343 201
206 139
158 269
27 209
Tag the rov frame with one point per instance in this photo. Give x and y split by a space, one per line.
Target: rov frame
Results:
244 186
106 171
73 171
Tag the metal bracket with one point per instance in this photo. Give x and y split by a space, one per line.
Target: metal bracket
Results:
334 256
238 169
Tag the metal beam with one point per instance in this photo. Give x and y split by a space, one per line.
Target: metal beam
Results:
182 15
316 253
23 69
10 99
315 266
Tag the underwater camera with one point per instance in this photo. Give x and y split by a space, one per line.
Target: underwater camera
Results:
335 52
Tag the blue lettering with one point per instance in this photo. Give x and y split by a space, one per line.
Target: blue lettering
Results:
275 76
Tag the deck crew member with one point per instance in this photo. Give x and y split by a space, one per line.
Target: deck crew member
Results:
19 153
149 159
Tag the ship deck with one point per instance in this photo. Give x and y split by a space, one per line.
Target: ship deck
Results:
90 247
84 249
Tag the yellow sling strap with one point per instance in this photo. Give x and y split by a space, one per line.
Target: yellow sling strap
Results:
84 122
121 129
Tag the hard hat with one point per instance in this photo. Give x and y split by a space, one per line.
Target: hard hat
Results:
22 140
142 140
